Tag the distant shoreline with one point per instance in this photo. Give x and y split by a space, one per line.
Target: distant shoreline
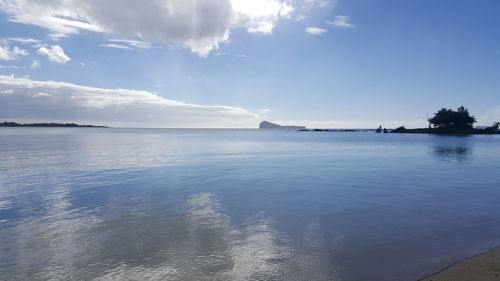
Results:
438 131
49 125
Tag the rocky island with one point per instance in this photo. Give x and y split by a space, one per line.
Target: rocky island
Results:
269 125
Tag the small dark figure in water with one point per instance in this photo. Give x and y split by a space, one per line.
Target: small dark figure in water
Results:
379 129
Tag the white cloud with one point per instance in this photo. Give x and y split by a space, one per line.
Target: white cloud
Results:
9 66
319 3
35 64
41 95
341 22
55 54
116 46
23 40
18 52
7 53
6 92
316 30
37 100
300 18
132 43
4 53
260 15
127 44
198 25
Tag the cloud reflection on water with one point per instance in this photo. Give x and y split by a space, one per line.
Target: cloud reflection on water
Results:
195 242
47 247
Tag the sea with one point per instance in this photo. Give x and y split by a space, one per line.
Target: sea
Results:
213 204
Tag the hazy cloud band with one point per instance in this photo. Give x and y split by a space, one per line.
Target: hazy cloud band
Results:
23 99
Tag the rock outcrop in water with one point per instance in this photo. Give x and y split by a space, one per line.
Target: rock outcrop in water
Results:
269 125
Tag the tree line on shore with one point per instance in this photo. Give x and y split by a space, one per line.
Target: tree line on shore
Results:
449 121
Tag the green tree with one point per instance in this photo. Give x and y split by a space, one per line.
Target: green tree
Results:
451 119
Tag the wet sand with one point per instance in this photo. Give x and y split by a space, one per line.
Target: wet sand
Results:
484 267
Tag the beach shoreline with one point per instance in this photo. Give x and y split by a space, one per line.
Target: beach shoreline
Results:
481 267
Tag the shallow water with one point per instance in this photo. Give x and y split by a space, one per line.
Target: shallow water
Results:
131 204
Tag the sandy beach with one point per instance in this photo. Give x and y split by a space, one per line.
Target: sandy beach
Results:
484 267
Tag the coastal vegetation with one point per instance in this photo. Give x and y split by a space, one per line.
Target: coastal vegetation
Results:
448 121
451 119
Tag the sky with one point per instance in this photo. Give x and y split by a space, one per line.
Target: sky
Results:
234 63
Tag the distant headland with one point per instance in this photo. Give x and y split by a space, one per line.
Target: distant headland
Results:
71 125
269 125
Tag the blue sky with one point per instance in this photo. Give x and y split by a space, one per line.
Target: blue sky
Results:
233 63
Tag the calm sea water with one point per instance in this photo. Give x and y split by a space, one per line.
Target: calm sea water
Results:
133 204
